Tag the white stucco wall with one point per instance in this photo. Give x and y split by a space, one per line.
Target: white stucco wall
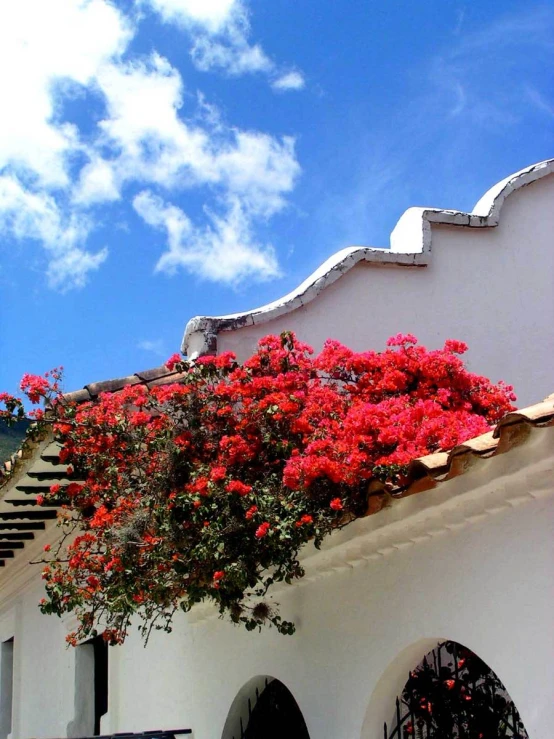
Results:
491 287
468 561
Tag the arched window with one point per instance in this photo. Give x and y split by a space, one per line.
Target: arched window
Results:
453 694
267 711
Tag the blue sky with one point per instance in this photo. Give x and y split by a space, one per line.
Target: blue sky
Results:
161 159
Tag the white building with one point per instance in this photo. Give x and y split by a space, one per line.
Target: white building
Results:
468 558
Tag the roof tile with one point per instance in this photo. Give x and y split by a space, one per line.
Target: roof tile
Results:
111 386
155 373
77 396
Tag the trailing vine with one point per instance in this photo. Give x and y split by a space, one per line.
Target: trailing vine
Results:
205 489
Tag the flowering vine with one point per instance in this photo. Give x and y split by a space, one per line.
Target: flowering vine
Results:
207 488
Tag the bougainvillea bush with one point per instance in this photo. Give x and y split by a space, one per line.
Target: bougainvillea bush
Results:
206 489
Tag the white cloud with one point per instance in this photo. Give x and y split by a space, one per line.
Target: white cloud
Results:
211 15
235 58
155 145
45 50
71 268
289 81
259 169
249 172
37 217
97 183
41 44
52 174
222 251
220 30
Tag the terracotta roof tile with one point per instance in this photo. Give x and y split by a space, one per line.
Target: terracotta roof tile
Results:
77 396
111 386
150 377
514 429
155 373
167 379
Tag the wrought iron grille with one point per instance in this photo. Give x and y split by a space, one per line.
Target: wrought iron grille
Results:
453 694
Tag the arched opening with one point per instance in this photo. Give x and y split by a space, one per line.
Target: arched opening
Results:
452 694
265 709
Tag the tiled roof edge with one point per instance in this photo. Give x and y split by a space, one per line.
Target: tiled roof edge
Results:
426 472
151 377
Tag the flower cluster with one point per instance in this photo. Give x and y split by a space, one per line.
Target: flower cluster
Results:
207 488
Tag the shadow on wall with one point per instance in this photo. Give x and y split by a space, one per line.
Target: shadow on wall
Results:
264 708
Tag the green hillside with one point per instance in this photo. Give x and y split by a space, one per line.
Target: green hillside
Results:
11 438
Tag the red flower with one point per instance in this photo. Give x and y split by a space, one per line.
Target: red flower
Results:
218 473
262 530
284 425
236 486
140 418
47 547
200 485
455 347
73 489
250 512
172 361
35 387
183 440
401 340
450 684
40 499
220 574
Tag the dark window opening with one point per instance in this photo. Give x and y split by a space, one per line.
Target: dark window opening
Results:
100 647
6 688
275 715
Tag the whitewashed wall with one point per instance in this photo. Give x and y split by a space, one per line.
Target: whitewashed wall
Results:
470 561
491 287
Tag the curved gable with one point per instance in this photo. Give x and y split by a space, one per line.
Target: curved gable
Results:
447 274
